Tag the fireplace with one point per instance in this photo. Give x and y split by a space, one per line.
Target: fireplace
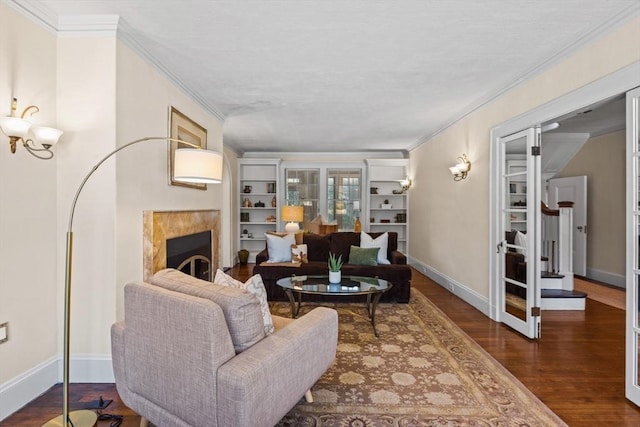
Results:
191 254
159 227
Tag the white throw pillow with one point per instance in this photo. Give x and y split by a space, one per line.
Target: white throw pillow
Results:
255 286
279 248
299 254
521 240
381 242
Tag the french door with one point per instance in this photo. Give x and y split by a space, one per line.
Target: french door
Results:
632 371
518 257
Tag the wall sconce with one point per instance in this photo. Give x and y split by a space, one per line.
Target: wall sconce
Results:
17 128
405 184
293 214
460 170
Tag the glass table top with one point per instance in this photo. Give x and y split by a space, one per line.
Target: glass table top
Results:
350 285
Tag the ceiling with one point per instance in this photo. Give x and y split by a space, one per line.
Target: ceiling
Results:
311 75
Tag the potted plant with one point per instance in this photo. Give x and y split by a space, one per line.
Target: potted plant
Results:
335 264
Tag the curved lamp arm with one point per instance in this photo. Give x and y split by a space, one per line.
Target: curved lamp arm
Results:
82 418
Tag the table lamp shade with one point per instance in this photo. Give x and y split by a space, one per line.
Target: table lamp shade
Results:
293 214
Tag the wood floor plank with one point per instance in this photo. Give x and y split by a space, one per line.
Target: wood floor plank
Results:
576 368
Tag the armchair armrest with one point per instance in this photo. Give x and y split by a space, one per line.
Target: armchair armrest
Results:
398 257
284 365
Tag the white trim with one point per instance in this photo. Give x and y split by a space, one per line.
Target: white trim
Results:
463 292
607 277
19 391
582 40
615 83
88 25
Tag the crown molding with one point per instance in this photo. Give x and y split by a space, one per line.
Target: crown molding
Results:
581 41
37 12
88 25
104 26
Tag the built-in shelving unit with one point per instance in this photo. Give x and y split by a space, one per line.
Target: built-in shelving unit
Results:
516 169
387 205
258 185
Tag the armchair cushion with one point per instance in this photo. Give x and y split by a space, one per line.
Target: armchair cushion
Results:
241 309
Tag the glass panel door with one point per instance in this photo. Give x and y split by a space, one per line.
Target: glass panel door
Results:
303 189
632 370
518 259
343 196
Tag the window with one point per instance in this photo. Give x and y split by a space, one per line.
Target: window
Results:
338 202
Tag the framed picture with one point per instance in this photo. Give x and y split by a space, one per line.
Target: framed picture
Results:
182 127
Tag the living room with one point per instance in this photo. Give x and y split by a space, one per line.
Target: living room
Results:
102 93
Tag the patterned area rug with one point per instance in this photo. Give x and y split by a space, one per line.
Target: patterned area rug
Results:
422 371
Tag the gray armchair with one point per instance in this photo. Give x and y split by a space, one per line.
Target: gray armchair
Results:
196 356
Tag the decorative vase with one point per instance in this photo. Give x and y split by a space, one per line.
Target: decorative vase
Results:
335 276
243 256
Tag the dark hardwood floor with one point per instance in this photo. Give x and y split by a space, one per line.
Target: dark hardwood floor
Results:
576 368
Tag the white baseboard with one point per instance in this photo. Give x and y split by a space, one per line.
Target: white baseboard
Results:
17 392
607 277
463 292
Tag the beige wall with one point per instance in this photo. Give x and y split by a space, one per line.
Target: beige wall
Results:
102 95
28 233
143 100
602 160
449 220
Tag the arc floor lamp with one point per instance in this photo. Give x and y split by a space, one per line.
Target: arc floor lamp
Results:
192 165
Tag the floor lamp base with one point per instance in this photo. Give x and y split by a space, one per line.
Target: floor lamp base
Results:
82 418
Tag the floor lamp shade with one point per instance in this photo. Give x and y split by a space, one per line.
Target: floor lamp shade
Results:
293 214
197 166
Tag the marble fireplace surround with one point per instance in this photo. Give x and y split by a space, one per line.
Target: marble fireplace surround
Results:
162 225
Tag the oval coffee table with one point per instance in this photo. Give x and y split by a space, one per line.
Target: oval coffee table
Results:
372 287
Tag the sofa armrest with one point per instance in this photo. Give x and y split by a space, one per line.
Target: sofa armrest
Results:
398 257
262 256
285 364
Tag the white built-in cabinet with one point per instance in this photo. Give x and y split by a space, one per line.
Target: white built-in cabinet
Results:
261 182
517 194
387 205
259 210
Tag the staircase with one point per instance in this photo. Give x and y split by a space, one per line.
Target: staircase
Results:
557 291
555 297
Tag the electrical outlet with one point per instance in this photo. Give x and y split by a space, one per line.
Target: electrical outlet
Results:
4 332
451 286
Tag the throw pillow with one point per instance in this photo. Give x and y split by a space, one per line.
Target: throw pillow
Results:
381 242
254 286
363 256
521 240
299 254
279 248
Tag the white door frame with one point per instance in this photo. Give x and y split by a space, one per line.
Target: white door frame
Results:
615 83
632 363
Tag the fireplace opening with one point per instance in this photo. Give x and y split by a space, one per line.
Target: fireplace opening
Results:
191 254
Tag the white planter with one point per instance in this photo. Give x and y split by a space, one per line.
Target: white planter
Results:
335 276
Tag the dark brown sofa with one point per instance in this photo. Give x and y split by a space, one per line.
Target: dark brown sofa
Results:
398 272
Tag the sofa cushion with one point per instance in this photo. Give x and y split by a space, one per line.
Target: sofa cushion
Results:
254 286
241 309
363 256
279 248
318 246
381 242
341 243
